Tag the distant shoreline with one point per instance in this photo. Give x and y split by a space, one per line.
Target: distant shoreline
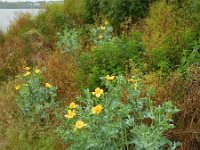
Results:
26 5
22 8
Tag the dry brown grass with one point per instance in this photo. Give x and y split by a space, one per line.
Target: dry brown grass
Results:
61 71
187 120
22 23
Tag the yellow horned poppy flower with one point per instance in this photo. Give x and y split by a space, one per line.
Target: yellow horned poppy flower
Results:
37 71
47 85
80 124
110 77
72 105
100 37
70 114
27 68
97 92
17 87
27 73
103 28
106 22
97 109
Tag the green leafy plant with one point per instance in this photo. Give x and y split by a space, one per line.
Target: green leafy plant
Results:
109 55
116 11
103 33
117 117
34 98
159 61
189 58
68 41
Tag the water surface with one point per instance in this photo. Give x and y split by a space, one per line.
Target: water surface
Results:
9 15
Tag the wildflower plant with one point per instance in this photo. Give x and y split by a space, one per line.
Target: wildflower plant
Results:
117 117
103 34
68 41
35 98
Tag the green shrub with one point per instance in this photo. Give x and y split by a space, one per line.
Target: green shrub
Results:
116 11
76 11
2 38
103 34
92 9
189 58
22 23
68 41
117 119
34 98
51 21
110 55
165 39
159 61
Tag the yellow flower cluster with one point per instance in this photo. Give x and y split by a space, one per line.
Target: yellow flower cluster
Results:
17 87
102 28
71 113
98 92
28 71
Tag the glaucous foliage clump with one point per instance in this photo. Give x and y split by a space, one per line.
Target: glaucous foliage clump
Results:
34 98
117 117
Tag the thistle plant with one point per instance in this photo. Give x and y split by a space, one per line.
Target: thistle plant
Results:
117 117
35 98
